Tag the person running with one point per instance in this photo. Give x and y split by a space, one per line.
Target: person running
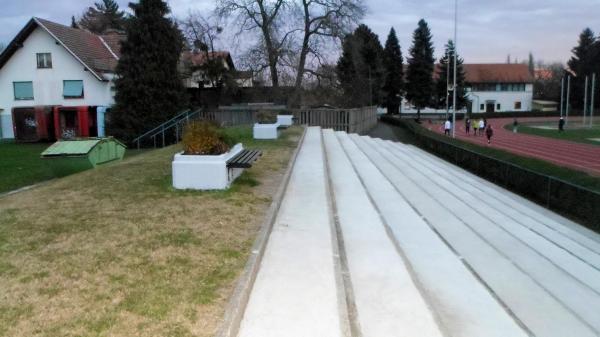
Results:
515 125
447 127
489 132
475 126
468 126
561 124
481 126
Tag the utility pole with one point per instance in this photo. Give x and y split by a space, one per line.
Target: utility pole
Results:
455 56
447 83
562 89
585 99
568 96
592 104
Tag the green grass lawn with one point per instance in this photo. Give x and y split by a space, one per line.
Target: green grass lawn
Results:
574 132
21 165
116 251
572 176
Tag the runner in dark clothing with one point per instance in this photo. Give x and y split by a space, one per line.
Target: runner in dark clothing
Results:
468 126
561 124
489 132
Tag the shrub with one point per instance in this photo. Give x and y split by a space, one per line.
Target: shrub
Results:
204 138
266 117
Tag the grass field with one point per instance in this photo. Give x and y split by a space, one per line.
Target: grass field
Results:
21 165
116 251
573 132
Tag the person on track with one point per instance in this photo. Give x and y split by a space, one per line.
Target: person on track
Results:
561 124
468 126
481 126
447 127
515 125
475 125
489 132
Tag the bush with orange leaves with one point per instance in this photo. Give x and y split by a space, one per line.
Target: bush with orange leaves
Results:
204 138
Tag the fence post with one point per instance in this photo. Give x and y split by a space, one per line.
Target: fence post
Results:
163 136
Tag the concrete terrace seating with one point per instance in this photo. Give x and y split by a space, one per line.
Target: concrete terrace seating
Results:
375 238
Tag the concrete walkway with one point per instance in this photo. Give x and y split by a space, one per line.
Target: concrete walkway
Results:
376 238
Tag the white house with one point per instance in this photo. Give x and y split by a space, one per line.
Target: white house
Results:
48 65
498 87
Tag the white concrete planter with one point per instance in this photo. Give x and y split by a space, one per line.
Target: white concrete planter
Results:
205 172
285 120
265 131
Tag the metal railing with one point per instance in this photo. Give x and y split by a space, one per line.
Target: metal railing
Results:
174 122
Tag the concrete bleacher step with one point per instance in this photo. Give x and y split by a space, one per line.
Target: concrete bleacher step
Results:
529 302
462 303
388 303
515 205
295 292
531 230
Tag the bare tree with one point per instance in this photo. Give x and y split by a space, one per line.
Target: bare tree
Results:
264 16
202 34
322 21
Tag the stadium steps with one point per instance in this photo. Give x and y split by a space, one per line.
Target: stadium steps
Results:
375 238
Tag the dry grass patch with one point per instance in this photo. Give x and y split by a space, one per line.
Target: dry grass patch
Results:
117 252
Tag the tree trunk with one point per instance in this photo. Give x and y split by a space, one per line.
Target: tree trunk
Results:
303 54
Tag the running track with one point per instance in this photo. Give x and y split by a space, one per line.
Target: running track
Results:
579 156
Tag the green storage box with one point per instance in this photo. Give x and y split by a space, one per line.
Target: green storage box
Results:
68 156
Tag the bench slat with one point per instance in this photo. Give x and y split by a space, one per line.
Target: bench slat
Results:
244 159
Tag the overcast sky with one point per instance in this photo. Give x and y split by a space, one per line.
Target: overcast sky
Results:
488 30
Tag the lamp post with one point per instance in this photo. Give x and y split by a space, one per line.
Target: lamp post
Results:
454 86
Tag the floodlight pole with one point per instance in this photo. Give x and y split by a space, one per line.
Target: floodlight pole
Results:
592 103
568 96
562 89
585 100
454 86
447 83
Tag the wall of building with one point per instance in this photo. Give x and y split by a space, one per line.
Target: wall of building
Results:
506 99
47 83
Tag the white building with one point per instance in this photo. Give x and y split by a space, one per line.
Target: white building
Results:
196 78
498 87
48 64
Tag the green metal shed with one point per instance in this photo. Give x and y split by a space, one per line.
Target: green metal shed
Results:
75 155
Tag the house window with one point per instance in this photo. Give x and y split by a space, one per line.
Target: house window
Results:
517 105
44 60
498 106
73 89
481 107
23 91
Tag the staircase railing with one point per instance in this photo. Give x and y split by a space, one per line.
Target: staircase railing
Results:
174 122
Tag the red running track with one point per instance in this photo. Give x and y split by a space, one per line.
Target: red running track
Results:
579 156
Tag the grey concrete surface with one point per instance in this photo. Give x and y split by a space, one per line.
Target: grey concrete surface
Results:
428 250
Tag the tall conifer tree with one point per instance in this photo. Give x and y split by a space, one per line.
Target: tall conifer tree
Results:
394 73
419 77
148 84
103 16
441 89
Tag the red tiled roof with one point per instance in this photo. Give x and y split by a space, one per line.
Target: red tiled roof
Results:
199 58
90 49
497 73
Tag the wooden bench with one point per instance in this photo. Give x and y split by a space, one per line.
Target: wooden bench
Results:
244 159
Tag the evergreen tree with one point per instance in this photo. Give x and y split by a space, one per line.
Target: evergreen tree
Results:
74 22
447 66
394 73
103 16
583 63
419 75
148 84
531 64
360 68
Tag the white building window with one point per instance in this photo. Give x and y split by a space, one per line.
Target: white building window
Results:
23 91
44 60
73 89
517 105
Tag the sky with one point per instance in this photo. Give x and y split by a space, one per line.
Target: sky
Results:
488 30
